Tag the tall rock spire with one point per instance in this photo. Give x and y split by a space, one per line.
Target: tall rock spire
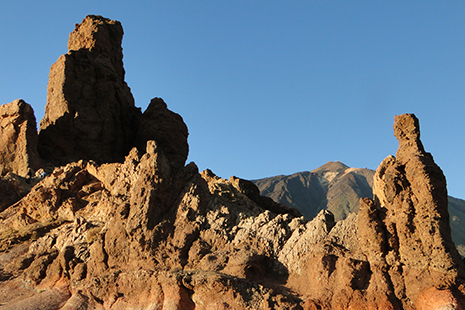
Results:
90 111
411 220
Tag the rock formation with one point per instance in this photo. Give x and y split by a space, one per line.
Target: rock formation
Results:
141 234
408 221
338 188
152 233
90 112
167 128
19 159
18 139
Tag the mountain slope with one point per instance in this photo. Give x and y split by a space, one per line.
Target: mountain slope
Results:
338 188
333 186
457 220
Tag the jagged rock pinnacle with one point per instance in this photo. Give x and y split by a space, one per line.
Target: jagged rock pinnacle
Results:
407 132
90 112
409 220
18 139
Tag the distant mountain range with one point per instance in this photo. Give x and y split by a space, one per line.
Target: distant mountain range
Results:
338 188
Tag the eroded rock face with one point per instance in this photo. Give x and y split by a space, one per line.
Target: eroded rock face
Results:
18 139
19 159
12 188
90 112
405 230
142 234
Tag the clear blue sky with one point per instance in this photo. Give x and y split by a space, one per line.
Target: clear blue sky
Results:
270 87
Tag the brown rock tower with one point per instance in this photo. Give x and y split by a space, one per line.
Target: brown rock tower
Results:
90 111
406 232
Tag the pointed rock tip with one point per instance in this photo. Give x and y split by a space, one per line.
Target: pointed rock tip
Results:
157 103
407 131
330 166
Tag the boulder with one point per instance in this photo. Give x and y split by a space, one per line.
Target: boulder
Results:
90 111
18 139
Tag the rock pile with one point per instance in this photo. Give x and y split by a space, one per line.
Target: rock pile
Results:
150 232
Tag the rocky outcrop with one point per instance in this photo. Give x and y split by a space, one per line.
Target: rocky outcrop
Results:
18 139
90 112
168 129
337 188
12 188
19 159
142 234
405 231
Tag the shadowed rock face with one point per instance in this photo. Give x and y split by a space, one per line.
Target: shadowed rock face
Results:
90 112
168 129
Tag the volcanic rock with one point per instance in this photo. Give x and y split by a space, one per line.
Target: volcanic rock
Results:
18 139
90 112
405 230
12 188
139 233
338 188
18 151
167 129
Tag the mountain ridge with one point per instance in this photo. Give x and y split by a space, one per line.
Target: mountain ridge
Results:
327 187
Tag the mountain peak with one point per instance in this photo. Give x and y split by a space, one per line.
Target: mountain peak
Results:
331 166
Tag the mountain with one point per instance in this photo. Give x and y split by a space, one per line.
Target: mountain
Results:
334 187
100 211
457 222
338 188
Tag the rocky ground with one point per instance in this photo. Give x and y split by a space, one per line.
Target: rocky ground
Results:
106 215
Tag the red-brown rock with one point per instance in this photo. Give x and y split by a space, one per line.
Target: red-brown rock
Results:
152 233
167 129
18 139
90 112
405 232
